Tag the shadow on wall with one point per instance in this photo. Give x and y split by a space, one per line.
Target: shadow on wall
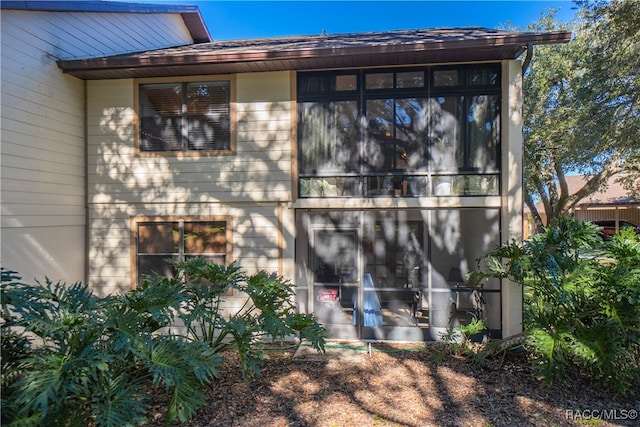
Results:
123 184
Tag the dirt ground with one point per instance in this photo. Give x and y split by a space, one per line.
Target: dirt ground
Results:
402 385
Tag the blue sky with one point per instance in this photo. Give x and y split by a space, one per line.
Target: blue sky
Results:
251 19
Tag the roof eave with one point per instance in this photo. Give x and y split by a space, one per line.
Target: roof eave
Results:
220 62
196 26
190 14
234 63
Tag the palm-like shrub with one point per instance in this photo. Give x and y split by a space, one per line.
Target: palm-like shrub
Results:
582 300
71 358
267 312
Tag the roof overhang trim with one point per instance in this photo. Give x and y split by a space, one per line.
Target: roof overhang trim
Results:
190 14
312 52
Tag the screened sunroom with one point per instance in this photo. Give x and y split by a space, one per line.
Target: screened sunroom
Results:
389 148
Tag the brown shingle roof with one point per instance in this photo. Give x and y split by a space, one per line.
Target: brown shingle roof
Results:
613 194
403 47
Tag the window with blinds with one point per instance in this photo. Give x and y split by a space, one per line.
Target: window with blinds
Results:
157 242
187 116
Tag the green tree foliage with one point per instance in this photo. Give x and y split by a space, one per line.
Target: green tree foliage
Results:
70 358
582 300
581 108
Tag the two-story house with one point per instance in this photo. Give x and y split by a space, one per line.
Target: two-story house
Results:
371 169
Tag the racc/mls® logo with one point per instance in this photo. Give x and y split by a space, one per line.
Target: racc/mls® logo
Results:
601 414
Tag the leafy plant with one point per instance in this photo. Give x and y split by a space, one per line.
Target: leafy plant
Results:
458 340
266 314
581 300
71 358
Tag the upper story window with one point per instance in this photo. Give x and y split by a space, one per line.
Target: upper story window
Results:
400 132
185 116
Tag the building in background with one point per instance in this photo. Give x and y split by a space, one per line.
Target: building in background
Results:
613 203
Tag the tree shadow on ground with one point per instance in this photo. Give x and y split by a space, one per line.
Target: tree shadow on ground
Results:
403 385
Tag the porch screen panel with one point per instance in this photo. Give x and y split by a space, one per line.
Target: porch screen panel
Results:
410 79
483 123
328 137
334 256
445 133
379 150
376 81
483 76
394 251
422 131
396 134
458 238
394 257
411 134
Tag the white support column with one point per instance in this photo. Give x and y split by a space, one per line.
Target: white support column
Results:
512 186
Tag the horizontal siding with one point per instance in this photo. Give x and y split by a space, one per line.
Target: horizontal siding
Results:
35 221
206 188
43 144
23 197
214 187
28 209
252 141
259 171
264 88
255 237
248 141
43 174
81 35
111 99
630 213
245 186
26 99
37 184
37 156
39 252
233 164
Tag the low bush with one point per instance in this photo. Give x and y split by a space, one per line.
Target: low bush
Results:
267 312
72 358
582 300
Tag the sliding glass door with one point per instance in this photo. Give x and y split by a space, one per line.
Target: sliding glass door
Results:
394 261
335 274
